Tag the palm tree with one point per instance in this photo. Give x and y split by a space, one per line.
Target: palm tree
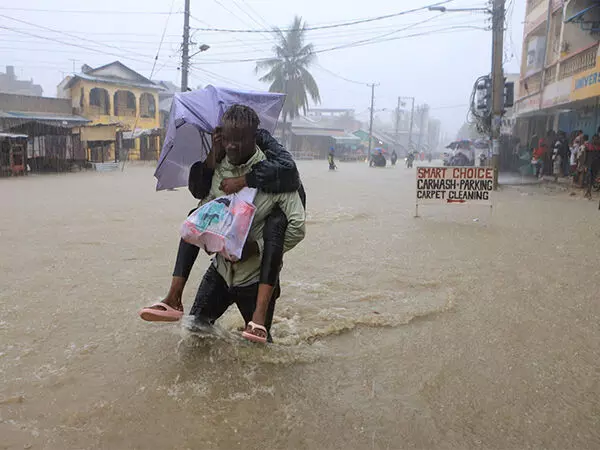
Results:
288 71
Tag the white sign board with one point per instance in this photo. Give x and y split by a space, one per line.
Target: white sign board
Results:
455 185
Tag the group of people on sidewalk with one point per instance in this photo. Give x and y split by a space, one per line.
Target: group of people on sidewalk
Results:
241 155
576 156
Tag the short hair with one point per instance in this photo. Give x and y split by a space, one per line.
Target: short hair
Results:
241 116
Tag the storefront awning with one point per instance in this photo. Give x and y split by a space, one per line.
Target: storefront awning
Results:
141 132
56 120
348 139
13 136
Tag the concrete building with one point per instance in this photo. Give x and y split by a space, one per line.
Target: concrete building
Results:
123 108
9 84
559 85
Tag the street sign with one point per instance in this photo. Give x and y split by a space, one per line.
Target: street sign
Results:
454 185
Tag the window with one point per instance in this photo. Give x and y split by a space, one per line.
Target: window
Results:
125 103
147 105
99 101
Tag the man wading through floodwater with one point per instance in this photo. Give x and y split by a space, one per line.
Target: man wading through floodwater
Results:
262 258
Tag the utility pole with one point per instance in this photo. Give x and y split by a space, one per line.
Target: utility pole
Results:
185 59
410 127
497 82
371 121
423 112
397 123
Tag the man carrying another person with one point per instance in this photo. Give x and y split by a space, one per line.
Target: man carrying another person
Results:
251 283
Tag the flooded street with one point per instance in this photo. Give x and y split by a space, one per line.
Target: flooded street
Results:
392 332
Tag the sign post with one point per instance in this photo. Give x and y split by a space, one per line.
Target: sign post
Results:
454 186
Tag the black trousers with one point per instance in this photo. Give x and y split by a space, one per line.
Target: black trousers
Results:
214 297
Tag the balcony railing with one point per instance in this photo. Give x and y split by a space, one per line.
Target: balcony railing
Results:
531 4
530 85
584 60
556 4
550 75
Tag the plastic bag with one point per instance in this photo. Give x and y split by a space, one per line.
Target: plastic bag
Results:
222 225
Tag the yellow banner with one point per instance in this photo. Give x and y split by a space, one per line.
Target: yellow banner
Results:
586 84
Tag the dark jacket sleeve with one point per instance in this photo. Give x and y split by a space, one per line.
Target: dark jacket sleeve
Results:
200 180
276 174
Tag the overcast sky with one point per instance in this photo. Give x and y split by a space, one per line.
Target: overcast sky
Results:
438 67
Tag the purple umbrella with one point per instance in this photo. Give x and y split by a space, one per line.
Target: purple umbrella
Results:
196 114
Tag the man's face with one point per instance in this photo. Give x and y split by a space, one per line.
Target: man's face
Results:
239 144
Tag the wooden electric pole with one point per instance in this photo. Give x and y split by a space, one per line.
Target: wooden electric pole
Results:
371 121
185 58
497 82
397 123
410 126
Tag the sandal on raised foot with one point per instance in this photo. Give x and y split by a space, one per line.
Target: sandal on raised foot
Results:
169 314
250 333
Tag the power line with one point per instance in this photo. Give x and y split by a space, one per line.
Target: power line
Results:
161 41
324 27
87 11
61 33
332 39
362 43
77 45
265 23
243 44
247 14
319 66
72 36
116 33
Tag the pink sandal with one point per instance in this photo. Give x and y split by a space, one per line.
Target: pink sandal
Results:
169 314
249 334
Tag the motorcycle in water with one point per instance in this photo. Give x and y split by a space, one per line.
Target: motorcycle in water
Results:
482 160
459 160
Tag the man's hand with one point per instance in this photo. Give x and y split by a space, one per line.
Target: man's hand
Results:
217 152
233 185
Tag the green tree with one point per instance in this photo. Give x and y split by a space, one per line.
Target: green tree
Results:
288 71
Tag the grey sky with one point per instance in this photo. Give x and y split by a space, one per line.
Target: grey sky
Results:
438 68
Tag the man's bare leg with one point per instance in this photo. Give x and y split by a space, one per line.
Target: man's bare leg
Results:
173 298
186 257
265 293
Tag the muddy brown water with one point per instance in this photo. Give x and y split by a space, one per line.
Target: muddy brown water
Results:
392 332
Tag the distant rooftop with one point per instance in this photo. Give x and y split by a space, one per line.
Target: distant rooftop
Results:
114 73
9 84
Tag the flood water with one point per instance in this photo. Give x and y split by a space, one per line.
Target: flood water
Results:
441 332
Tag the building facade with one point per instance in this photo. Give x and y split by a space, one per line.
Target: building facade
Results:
123 108
559 86
10 84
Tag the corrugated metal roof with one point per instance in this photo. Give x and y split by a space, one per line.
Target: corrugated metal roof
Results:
13 136
43 117
117 81
141 132
339 136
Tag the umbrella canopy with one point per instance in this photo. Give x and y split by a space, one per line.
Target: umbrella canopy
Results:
195 114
